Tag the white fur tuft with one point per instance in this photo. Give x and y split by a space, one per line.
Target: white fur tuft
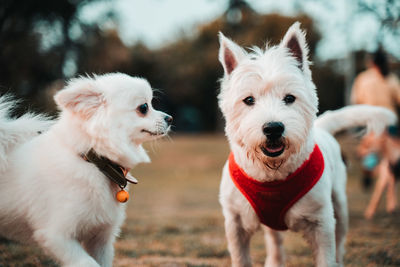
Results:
374 118
17 131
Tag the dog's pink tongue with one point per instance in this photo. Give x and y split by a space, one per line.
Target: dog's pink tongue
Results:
274 149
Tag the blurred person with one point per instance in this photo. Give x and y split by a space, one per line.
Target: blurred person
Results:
380 155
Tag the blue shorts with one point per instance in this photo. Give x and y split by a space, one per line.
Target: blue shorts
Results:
370 161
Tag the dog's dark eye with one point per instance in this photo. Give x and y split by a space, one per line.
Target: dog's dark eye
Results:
143 108
289 99
249 100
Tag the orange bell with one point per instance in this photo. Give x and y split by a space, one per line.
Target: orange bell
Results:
122 196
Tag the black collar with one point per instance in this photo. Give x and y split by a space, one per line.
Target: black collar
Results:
113 171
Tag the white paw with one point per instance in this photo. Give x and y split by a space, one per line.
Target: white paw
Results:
273 263
89 262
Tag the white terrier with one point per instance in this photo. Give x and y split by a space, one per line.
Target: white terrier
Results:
57 187
285 170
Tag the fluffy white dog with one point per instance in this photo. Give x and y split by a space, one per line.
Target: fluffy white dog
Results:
50 192
285 170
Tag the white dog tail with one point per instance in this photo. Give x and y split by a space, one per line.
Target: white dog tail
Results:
16 131
374 118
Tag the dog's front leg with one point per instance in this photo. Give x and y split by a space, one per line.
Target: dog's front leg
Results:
238 240
67 250
275 253
321 236
101 247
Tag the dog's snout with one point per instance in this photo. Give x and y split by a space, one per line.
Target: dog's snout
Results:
168 119
273 130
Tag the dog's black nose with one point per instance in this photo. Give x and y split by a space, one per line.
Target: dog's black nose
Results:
168 119
273 130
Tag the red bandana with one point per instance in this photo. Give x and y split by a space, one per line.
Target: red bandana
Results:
271 200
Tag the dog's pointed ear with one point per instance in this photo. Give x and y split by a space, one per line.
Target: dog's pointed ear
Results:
295 41
80 97
230 54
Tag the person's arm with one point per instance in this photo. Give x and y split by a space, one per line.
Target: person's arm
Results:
355 92
395 88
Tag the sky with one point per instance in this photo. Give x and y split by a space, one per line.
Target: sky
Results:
159 22
156 22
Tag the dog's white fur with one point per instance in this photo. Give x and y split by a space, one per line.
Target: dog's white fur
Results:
268 76
48 193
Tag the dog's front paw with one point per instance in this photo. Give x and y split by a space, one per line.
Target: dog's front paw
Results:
273 263
89 262
239 263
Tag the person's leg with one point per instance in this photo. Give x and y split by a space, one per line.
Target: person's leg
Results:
391 199
382 181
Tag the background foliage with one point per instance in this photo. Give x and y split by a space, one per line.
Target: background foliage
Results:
43 43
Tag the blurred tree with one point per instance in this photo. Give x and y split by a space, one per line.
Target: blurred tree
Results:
387 13
102 51
40 47
234 13
35 42
384 14
188 70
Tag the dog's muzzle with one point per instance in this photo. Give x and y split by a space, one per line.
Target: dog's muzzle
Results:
274 145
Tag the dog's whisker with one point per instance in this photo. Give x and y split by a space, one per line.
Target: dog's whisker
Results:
153 145
169 138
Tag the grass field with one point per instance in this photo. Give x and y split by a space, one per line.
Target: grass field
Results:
174 218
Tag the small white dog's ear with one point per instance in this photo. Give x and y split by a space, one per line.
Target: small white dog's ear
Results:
80 97
295 41
230 54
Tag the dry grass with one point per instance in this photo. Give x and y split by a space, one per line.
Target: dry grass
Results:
174 218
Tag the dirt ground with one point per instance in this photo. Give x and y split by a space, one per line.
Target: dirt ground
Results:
174 218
